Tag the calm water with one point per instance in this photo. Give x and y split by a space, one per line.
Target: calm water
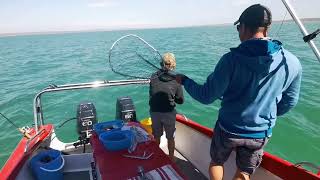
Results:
30 63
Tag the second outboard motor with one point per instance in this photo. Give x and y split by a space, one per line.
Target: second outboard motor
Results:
86 118
125 109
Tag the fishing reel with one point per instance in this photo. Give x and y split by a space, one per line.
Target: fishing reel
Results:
25 131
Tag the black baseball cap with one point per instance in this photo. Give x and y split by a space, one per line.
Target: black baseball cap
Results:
256 15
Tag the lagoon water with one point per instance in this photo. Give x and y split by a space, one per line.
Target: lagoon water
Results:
30 63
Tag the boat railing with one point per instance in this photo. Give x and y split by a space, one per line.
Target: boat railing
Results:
37 108
303 30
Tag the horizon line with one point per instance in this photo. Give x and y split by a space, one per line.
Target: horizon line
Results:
108 29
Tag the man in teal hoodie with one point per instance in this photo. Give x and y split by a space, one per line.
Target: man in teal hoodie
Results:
258 81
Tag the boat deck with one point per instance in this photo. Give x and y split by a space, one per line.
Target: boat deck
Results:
186 167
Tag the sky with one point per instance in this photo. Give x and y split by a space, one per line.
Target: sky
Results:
21 16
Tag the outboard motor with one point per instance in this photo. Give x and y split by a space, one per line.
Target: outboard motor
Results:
86 118
125 109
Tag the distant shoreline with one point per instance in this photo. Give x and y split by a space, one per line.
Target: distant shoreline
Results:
302 19
128 29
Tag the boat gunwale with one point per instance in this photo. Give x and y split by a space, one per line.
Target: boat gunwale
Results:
18 157
271 163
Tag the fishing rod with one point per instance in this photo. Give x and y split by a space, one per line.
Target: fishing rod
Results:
9 120
307 37
23 130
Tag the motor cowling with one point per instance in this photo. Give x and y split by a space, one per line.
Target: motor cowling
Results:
125 109
86 118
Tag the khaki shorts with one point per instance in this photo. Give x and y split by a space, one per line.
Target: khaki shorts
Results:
166 121
249 152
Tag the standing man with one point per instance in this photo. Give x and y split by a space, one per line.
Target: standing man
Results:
164 93
258 80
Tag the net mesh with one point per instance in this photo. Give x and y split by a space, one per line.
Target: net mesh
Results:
133 57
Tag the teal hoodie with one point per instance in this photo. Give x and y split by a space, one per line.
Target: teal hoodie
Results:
258 81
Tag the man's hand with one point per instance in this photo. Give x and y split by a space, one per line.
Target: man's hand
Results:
180 78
